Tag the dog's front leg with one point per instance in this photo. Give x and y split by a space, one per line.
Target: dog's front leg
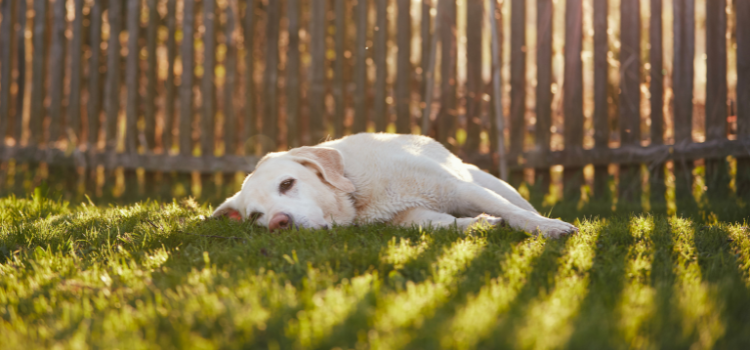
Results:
426 217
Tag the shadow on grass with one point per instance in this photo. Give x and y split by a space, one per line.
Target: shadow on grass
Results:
540 279
719 268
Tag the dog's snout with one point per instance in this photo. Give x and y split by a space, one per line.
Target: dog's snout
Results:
280 221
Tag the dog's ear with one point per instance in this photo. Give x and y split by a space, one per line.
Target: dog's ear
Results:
328 162
229 209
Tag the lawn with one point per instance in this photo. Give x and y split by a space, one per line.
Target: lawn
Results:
160 275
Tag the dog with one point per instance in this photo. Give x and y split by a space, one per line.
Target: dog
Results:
380 178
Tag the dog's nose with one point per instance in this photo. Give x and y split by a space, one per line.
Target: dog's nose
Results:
279 221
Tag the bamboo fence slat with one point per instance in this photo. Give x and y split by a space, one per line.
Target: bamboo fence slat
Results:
5 66
544 84
446 122
149 112
56 69
742 11
169 84
112 90
656 176
338 70
230 117
94 75
38 72
517 82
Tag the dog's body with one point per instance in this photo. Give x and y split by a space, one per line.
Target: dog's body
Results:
365 178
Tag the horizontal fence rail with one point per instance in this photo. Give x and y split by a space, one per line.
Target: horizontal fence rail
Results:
209 86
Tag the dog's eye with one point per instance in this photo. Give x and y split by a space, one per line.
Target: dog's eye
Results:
286 185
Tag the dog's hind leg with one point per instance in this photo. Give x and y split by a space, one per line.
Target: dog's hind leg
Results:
426 217
500 187
473 199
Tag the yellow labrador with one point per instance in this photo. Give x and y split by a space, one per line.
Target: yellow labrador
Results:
367 178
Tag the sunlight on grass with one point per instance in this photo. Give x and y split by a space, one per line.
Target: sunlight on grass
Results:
329 308
547 323
412 305
636 305
398 254
473 321
696 299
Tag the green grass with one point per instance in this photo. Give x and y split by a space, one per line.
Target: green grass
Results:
158 275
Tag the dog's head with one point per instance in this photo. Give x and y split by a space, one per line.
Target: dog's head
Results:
304 187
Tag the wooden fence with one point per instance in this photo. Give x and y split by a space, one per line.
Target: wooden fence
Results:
209 85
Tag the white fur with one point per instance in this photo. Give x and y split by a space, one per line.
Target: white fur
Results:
401 179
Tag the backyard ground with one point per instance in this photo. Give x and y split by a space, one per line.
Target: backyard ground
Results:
159 275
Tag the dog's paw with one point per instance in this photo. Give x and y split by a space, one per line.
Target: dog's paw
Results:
487 220
553 228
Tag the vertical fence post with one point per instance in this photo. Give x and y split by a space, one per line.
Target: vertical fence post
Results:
630 96
360 69
381 74
682 82
425 40
742 12
656 88
149 115
518 83
474 83
56 69
338 70
21 71
497 88
38 72
601 77
292 77
573 95
270 78
112 90
544 22
186 83
429 72
169 89
403 68
230 118
717 174
76 53
249 124
317 71
94 99
208 90
131 75
6 44
446 119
